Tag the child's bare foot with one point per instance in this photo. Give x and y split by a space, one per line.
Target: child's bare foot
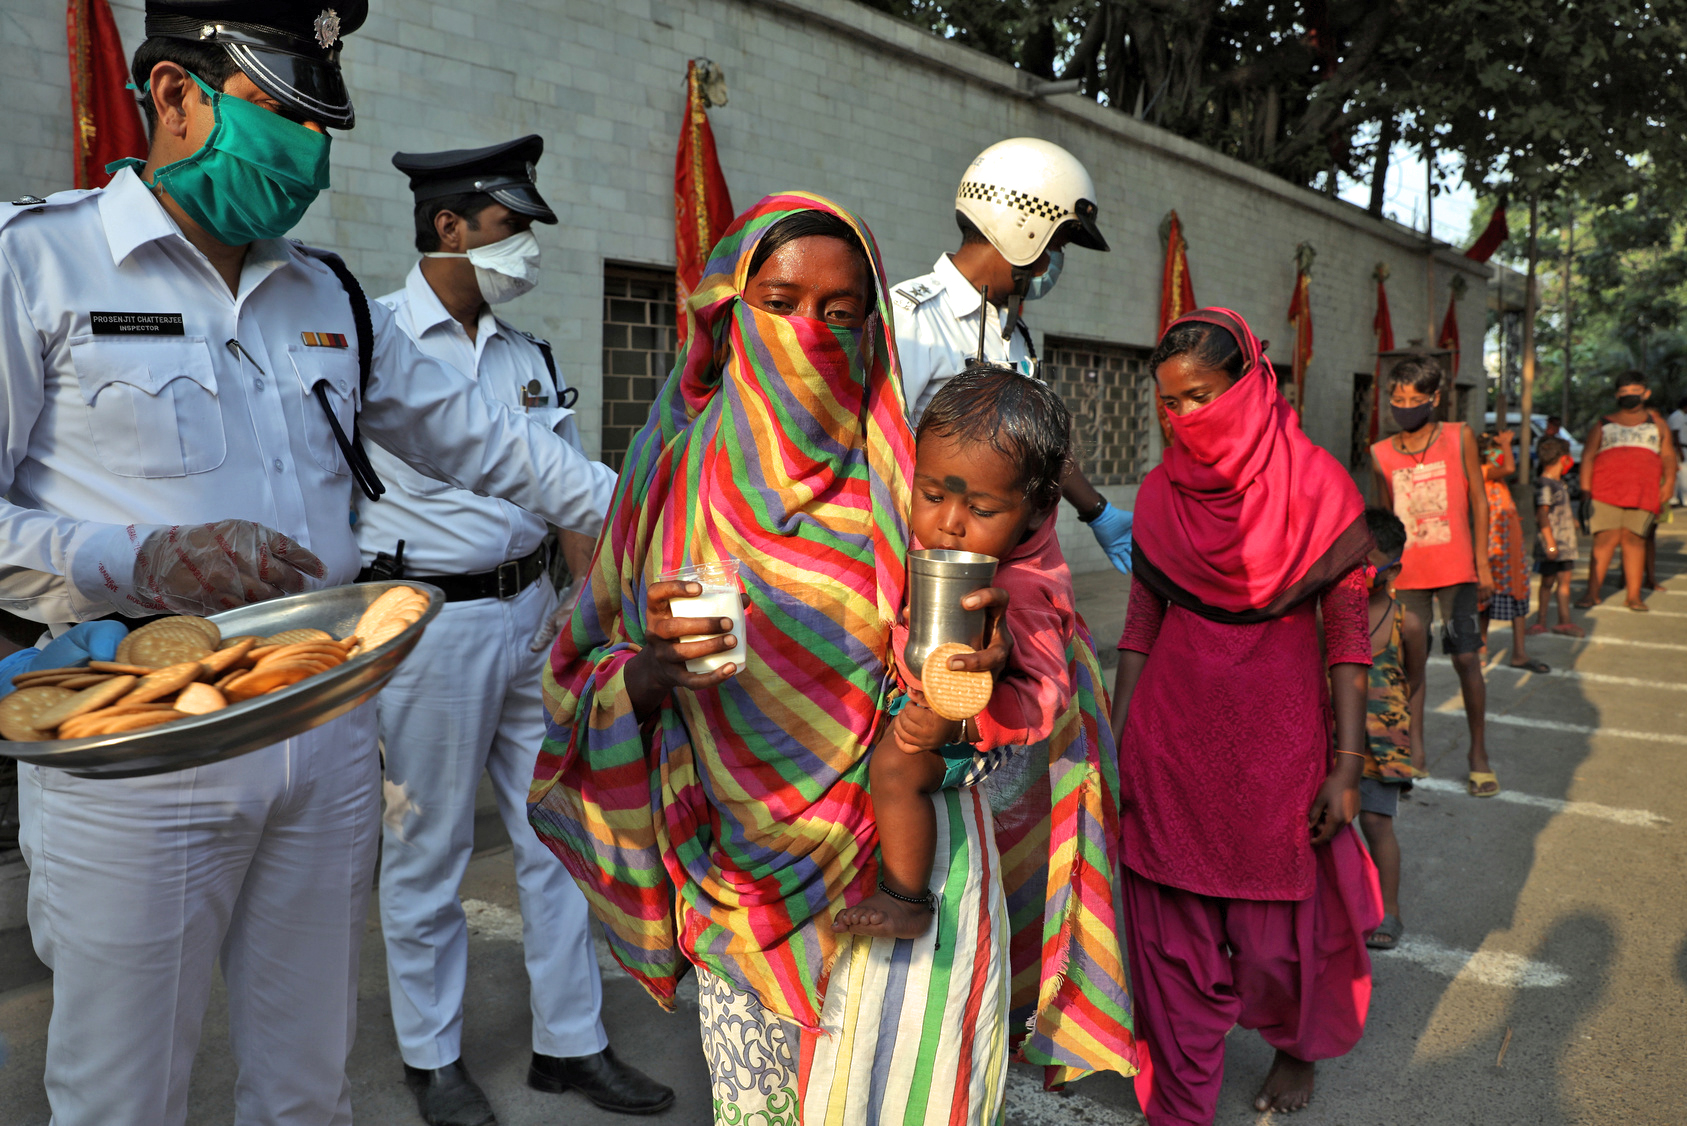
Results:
884 916
1288 1087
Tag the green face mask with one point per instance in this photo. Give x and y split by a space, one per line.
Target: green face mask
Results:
255 176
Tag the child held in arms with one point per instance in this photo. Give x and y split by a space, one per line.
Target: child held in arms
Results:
992 448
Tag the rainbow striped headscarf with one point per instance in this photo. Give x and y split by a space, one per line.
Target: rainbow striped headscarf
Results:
733 828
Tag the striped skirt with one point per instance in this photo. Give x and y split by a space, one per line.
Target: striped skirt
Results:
913 1031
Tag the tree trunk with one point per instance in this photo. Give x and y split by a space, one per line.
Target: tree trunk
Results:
1569 267
1379 166
1526 400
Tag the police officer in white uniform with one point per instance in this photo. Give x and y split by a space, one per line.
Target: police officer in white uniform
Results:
1019 205
178 384
467 701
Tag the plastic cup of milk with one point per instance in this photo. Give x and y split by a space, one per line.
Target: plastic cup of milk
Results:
720 599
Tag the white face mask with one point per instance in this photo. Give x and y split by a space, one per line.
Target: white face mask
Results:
505 269
1043 282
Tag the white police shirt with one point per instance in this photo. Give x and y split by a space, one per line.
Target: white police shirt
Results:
447 530
937 321
124 403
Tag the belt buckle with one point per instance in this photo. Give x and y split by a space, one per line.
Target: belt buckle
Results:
509 579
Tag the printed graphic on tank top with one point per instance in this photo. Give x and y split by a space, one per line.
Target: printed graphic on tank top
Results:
1421 502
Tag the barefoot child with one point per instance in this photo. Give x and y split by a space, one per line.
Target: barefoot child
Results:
1510 600
1388 772
1555 538
992 448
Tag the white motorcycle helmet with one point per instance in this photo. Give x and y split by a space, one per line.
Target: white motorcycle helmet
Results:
1018 193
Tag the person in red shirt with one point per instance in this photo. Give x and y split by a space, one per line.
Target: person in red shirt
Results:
1430 475
1628 468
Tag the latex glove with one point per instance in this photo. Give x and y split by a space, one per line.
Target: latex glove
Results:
90 641
209 568
1113 532
551 626
18 662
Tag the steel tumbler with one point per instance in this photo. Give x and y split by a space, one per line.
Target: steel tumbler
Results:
937 581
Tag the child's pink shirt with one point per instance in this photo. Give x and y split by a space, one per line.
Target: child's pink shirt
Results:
1036 687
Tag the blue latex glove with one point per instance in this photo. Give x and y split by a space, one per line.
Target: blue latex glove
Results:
18 662
1113 532
90 641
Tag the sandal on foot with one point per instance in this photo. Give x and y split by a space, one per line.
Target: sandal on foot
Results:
1570 629
1532 665
1640 607
1482 784
1419 772
1584 604
1537 628
1387 935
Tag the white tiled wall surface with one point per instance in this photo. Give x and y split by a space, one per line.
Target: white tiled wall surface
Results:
825 95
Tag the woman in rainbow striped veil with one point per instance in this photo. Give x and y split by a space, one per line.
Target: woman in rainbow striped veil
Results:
722 820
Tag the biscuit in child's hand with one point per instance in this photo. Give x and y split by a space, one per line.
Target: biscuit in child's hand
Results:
951 694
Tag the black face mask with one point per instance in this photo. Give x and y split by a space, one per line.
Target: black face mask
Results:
1410 418
1629 402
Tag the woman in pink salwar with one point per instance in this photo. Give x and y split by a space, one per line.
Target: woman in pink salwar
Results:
1246 895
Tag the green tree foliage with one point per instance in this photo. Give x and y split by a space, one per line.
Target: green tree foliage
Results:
1536 94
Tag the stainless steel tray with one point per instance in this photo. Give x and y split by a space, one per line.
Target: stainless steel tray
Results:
244 727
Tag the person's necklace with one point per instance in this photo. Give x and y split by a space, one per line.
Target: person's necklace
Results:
1386 614
1423 453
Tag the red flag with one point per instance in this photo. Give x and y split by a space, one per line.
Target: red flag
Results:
105 122
1496 232
1449 337
702 204
1177 297
1300 316
1383 325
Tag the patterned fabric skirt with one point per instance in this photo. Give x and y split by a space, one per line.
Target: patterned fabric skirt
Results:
913 1031
1505 550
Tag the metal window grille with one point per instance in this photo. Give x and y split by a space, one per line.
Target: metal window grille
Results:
639 339
1109 391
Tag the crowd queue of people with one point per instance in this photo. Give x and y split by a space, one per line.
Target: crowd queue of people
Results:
882 905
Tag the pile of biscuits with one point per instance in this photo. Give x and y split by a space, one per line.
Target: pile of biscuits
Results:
178 667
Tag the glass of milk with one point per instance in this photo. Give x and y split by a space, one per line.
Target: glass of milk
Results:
720 599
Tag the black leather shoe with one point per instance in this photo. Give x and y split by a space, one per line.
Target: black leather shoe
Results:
603 1079
446 1096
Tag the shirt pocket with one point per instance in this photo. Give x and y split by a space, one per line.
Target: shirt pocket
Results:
152 404
336 370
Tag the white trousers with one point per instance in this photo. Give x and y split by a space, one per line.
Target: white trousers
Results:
137 886
468 701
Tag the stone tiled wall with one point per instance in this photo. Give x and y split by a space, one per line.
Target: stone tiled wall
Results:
825 95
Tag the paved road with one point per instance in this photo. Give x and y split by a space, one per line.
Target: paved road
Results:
1543 980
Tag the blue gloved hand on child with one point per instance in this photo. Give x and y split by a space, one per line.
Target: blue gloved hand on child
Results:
1113 531
89 641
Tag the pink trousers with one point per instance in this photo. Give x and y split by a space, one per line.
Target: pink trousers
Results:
1297 971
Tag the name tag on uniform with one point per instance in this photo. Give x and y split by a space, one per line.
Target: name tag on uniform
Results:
323 339
136 324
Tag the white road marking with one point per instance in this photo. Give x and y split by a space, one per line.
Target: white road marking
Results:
1641 818
1029 1105
1602 609
1602 678
1455 708
492 921
1484 967
1601 639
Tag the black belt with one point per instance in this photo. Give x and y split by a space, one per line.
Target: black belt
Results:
503 582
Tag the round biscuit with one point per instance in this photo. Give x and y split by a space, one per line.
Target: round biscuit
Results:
229 655
86 680
198 699
951 694
87 700
18 711
162 683
294 636
213 635
134 721
259 682
163 648
118 667
79 727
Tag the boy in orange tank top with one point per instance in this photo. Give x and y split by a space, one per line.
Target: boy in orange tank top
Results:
1430 476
